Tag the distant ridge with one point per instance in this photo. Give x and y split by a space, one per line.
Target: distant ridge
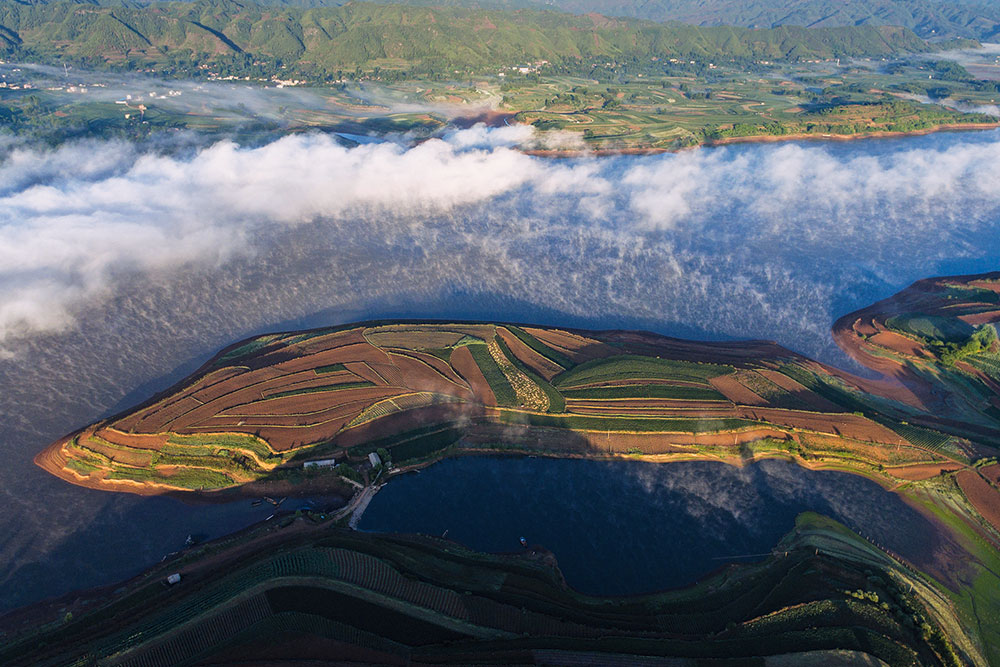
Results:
366 35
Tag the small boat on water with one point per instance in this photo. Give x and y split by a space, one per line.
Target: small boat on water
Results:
524 543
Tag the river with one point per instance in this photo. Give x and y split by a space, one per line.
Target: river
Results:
124 268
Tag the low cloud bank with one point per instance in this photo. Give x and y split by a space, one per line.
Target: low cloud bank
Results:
752 240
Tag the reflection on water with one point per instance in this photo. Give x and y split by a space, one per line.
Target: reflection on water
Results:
624 527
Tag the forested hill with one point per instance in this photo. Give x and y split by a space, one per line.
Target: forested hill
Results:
973 19
930 19
366 35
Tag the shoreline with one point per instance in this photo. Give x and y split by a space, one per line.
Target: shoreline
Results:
762 139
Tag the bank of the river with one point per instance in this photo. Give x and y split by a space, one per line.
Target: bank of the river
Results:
761 139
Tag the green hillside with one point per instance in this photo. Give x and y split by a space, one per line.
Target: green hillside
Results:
399 37
930 19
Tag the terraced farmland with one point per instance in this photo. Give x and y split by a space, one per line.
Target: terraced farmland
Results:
263 406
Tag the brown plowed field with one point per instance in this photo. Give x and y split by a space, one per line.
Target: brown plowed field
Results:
975 319
660 403
575 347
436 363
983 497
919 472
546 368
312 403
865 327
131 439
992 285
159 419
991 472
847 425
365 372
133 457
389 373
613 410
421 376
462 361
206 383
897 343
309 381
730 387
808 397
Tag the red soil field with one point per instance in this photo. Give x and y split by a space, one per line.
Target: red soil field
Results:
421 376
462 361
541 365
976 319
575 347
847 425
436 363
897 343
916 473
985 498
694 413
991 472
808 397
730 387
244 397
659 403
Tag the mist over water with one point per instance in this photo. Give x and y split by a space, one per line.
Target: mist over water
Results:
122 267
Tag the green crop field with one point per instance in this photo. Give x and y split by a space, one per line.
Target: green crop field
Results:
557 403
541 348
632 367
647 391
932 328
505 395
630 424
324 388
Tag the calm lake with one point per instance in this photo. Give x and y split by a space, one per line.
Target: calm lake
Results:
625 527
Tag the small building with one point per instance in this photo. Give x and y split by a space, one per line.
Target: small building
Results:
320 463
374 459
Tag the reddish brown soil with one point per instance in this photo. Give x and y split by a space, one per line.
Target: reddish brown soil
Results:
810 398
984 497
462 361
897 343
437 364
931 297
976 319
242 398
991 472
421 376
846 425
730 387
541 365
916 473
578 348
691 413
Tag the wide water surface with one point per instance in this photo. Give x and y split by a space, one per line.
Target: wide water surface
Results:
122 271
625 527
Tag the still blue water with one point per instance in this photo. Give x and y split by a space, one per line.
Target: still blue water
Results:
626 527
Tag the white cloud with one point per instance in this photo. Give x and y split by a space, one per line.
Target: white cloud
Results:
749 241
